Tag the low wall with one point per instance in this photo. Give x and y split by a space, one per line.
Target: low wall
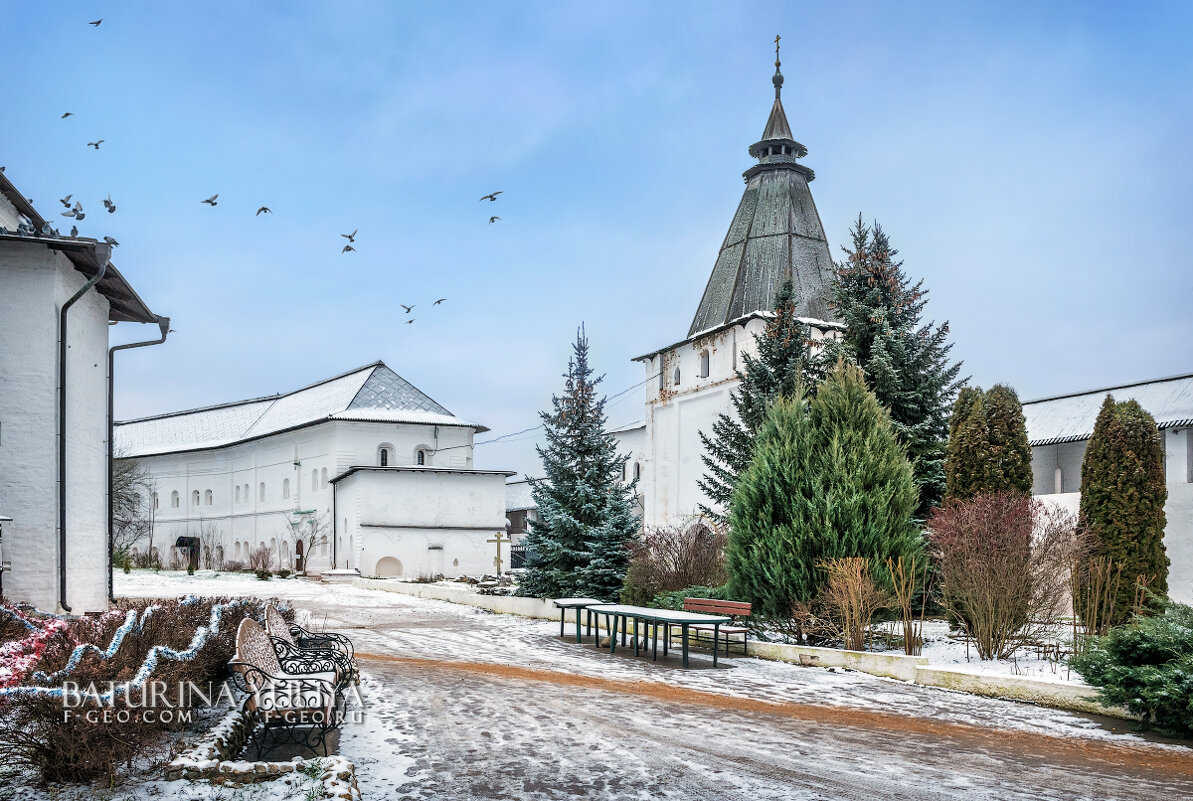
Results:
891 666
505 604
1037 690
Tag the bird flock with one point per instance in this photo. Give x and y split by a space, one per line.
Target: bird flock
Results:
75 212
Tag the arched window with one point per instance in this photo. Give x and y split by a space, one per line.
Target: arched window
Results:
314 479
174 499
207 497
155 500
285 488
194 498
385 452
238 493
236 551
261 492
421 457
704 364
323 478
675 377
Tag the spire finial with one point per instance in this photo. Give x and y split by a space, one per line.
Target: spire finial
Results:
778 79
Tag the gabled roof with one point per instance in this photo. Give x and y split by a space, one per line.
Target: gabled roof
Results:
1070 418
373 393
518 496
86 255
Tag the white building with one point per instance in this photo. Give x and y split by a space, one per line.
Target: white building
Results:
1059 429
775 234
377 468
54 445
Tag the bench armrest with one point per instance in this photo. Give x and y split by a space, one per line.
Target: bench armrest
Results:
312 660
322 640
283 693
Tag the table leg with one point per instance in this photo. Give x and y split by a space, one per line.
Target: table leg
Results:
613 635
588 620
654 640
624 626
561 613
685 644
578 626
635 636
666 637
716 642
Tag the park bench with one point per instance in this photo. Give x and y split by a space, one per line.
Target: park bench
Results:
290 707
712 606
300 651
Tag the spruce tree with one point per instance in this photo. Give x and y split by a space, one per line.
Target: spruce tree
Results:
905 360
987 449
578 546
1123 495
785 362
828 479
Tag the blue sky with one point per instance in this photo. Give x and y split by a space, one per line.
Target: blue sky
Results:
1029 160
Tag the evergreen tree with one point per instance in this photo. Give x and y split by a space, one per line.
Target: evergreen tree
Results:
784 363
904 359
1123 495
578 546
828 479
987 450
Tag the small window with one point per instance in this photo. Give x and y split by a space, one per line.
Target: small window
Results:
385 457
323 478
261 492
238 493
637 471
155 500
675 377
285 488
194 498
421 457
314 480
704 364
174 499
207 497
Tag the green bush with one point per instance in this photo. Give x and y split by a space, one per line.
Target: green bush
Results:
674 599
1147 667
263 575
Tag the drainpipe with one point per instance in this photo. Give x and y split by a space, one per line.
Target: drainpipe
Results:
164 324
103 268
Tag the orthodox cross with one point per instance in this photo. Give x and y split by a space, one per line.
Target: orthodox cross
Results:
499 541
777 38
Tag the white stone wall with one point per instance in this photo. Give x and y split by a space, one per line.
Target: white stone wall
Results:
34 283
422 522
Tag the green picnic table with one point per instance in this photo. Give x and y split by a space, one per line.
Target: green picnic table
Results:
653 618
564 604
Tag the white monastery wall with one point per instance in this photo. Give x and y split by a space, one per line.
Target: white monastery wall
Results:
34 283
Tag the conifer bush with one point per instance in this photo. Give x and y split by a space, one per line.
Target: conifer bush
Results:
1147 667
828 479
988 451
1122 500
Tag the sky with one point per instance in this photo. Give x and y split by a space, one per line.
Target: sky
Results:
1030 161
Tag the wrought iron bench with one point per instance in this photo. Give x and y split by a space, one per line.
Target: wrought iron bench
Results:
309 652
298 708
712 606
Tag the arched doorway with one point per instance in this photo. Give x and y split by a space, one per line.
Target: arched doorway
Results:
298 560
388 567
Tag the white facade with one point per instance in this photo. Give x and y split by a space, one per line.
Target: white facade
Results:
1059 430
37 276
257 474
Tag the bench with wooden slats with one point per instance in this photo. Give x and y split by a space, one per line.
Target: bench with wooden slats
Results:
713 606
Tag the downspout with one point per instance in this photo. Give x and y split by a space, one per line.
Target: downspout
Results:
103 268
334 487
164 324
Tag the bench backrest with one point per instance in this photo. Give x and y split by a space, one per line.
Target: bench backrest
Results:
254 648
713 606
276 626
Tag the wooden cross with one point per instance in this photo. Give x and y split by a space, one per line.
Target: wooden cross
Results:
499 541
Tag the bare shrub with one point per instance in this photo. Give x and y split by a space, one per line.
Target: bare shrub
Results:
178 559
670 558
1003 562
233 566
1093 584
852 597
148 558
908 577
209 541
260 558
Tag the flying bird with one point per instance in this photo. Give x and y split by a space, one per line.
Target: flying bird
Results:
67 114
411 320
350 237
95 144
97 22
407 308
65 201
211 200
436 303
109 205
264 209
348 249
491 197
76 212
493 219
74 230
111 241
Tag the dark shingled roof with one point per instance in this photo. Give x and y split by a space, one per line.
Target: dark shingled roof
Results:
775 233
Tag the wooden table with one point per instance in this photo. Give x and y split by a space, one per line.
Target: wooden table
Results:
655 617
564 604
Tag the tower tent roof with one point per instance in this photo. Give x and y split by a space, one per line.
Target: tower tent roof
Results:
775 234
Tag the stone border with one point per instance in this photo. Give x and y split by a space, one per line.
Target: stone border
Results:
1071 695
212 759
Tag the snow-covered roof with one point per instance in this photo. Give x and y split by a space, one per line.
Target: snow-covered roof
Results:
1069 418
518 497
373 393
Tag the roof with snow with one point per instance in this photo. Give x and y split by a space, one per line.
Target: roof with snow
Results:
518 497
373 393
1070 418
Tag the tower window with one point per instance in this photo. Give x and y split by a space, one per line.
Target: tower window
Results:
704 364
637 471
675 377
